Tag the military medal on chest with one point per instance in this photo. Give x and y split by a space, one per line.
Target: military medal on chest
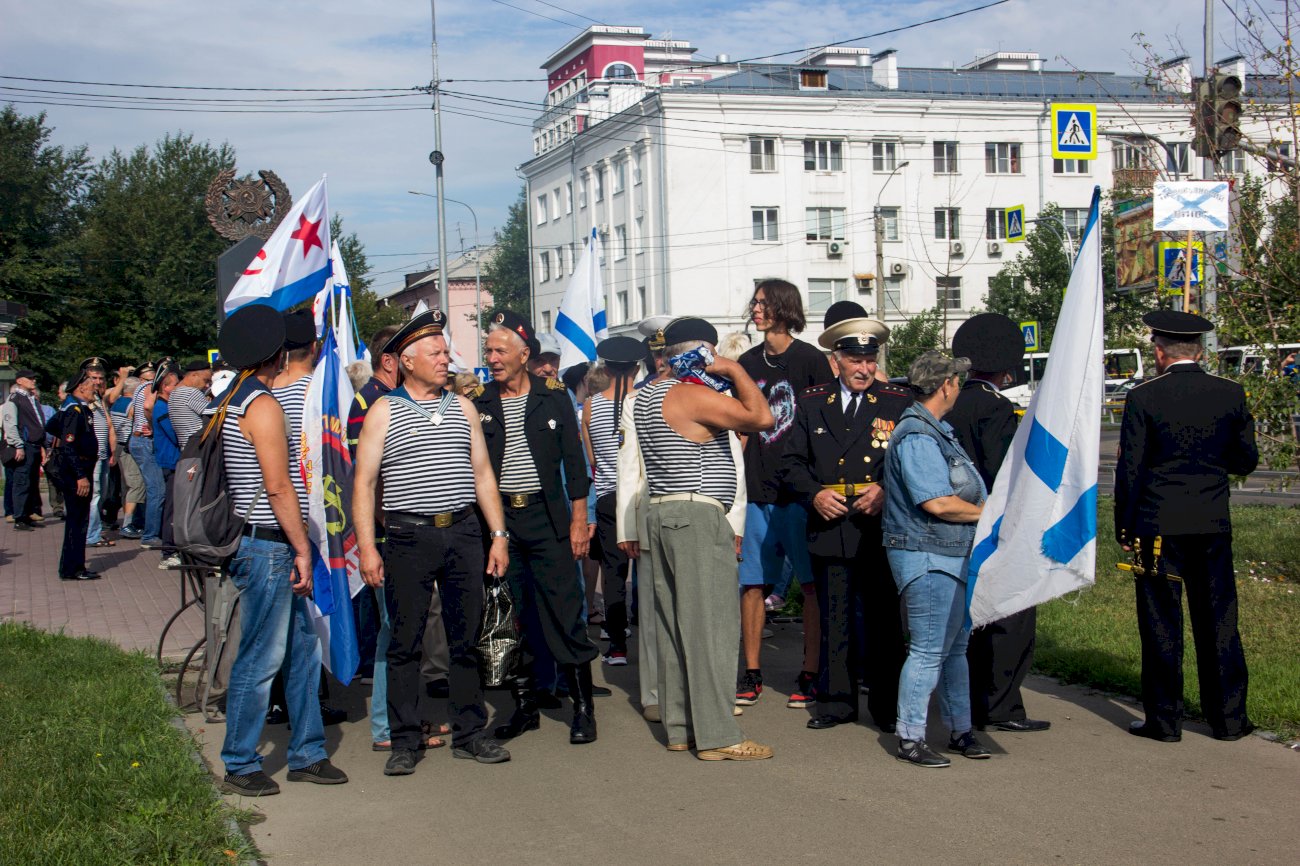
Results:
881 430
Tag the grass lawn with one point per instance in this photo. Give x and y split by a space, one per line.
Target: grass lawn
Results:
1093 638
91 768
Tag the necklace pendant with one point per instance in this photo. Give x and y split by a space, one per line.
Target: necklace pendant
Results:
435 420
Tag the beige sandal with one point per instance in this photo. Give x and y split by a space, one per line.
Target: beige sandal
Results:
746 750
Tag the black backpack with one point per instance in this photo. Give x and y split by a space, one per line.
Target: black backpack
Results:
206 527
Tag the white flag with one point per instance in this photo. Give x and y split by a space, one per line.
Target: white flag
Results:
581 323
294 263
1037 536
457 363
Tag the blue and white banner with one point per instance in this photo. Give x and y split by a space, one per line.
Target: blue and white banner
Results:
581 323
294 263
1037 537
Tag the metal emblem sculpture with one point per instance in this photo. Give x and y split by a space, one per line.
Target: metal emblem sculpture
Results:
244 207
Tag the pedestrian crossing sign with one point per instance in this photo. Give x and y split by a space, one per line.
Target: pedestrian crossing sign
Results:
1173 264
213 357
1015 224
1030 332
1074 131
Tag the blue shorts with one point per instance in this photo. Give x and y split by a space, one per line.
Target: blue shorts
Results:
774 533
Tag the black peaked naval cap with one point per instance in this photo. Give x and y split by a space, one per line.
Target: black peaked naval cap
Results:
841 310
430 323
1176 325
94 363
573 376
299 329
621 350
512 321
251 335
686 330
196 365
993 343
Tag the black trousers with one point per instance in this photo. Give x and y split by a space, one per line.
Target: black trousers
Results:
543 580
27 483
168 535
1204 562
415 558
862 635
1000 655
614 568
76 522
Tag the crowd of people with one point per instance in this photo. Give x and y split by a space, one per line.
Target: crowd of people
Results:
702 477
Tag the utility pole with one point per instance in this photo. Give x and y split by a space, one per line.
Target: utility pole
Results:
436 157
1209 290
478 280
880 257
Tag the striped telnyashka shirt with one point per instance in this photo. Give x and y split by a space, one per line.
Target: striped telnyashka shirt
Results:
602 428
426 469
675 464
243 472
293 397
518 472
185 408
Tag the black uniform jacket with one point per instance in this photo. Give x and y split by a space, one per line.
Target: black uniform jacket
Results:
75 444
1183 434
551 428
822 450
985 423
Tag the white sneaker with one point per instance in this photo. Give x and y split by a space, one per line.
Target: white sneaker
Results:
773 602
616 659
173 561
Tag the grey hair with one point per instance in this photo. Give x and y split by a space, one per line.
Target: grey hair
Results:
130 386
494 327
682 348
1190 349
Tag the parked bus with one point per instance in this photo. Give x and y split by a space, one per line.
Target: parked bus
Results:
1121 365
1241 360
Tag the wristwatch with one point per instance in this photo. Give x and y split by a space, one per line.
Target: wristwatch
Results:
499 533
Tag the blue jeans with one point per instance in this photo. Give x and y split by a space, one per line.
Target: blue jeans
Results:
935 601
379 689
276 632
98 477
155 488
774 533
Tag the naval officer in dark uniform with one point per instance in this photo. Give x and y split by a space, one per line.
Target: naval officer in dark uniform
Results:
834 459
76 448
532 438
1184 432
1001 653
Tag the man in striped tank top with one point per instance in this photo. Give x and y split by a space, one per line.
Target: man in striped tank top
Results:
427 445
272 568
532 436
682 425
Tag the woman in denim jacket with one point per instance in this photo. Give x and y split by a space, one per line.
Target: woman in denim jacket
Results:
933 499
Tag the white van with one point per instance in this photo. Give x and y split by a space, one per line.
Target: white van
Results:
1121 365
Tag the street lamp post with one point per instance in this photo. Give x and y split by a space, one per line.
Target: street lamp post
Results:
880 252
478 282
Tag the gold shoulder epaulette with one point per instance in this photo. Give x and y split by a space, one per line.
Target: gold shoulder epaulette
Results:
477 391
554 384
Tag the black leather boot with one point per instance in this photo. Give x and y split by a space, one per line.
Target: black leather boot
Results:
584 707
525 717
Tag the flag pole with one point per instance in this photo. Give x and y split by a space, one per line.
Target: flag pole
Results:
437 159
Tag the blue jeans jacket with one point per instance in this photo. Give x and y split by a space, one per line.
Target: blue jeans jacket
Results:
907 484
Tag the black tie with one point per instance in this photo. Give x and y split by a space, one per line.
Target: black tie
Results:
853 408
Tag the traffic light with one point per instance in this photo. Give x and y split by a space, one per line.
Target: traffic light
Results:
1218 116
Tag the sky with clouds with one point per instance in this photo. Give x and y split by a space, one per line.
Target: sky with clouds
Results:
373 157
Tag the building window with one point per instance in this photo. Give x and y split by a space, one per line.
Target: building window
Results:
573 257
620 243
889 218
1075 220
1177 158
1070 166
619 72
546 320
541 209
812 79
820 154
945 157
1234 161
1002 158
765 223
544 268
884 155
636 167
559 262
762 154
555 203
827 223
995 223
623 312
568 197
598 179
823 293
946 224
894 294
620 176
582 192
641 309
947 292
1134 156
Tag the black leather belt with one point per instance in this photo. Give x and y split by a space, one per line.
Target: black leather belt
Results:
441 520
266 533
521 500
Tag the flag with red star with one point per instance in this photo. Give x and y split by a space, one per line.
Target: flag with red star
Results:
294 263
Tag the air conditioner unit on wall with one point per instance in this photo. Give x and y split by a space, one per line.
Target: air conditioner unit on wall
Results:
835 249
995 248
956 248
897 269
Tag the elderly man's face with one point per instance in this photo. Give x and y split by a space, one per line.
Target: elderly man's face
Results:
26 382
505 355
547 365
427 362
856 371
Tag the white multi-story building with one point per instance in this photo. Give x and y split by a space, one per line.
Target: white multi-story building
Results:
704 177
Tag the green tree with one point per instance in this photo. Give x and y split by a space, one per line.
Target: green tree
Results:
42 188
507 273
912 338
370 314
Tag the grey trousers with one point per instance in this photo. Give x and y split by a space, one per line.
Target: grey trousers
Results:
647 628
693 555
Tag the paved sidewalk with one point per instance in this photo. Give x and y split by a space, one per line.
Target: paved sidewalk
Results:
128 606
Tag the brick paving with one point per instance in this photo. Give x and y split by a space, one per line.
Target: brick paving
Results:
128 606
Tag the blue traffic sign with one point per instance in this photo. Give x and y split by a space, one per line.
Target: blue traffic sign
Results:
484 375
1016 224
1030 332
1074 129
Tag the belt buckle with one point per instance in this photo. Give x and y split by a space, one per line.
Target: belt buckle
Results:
850 490
518 500
443 520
